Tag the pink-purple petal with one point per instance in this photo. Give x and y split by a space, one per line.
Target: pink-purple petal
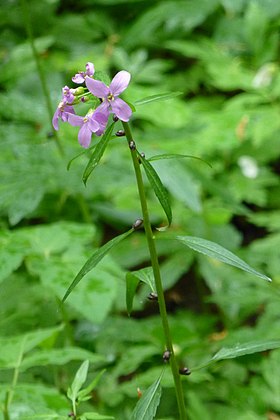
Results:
120 82
75 120
97 88
55 119
84 136
90 69
121 109
78 78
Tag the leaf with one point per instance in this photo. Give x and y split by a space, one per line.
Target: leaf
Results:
146 407
96 257
158 97
79 380
158 187
146 275
96 416
131 287
91 386
98 153
216 251
240 350
245 348
176 156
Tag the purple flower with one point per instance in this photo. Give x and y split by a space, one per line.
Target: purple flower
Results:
93 122
63 111
64 107
81 75
109 95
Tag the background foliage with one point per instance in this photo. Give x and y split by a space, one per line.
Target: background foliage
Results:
224 57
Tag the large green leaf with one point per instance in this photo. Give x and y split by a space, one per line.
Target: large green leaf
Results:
147 406
96 257
98 153
218 252
158 187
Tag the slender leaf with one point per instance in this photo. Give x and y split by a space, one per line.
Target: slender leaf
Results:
158 187
176 156
245 348
94 260
84 392
132 280
131 286
159 97
241 349
79 380
216 251
98 153
96 416
146 407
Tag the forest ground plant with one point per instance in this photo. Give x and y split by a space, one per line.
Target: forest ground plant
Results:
105 109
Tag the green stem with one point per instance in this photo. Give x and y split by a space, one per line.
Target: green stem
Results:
155 265
10 393
40 71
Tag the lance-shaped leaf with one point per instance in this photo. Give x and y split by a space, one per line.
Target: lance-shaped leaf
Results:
176 156
132 280
98 153
159 97
158 187
147 406
216 251
240 349
95 259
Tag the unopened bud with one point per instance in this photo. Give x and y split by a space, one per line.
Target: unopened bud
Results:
184 371
78 91
132 145
120 133
137 223
153 296
166 356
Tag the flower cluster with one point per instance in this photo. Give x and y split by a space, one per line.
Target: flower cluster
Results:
95 120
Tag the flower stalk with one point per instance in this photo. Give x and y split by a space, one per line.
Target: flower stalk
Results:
156 271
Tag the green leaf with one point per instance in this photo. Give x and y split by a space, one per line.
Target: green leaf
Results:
96 416
79 380
131 287
245 348
91 386
146 407
158 97
158 187
240 350
146 275
176 156
98 153
216 251
96 257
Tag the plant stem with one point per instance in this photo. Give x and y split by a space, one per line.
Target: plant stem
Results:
40 71
156 271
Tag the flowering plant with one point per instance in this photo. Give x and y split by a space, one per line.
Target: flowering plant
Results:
106 101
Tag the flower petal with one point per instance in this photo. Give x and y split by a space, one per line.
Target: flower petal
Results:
90 69
121 109
55 119
97 88
75 120
120 82
78 78
84 136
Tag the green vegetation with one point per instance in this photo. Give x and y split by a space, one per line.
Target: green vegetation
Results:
205 89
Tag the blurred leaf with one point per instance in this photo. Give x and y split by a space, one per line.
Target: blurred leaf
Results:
158 187
96 257
59 356
78 382
175 156
159 97
13 348
216 251
98 152
146 407
87 390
